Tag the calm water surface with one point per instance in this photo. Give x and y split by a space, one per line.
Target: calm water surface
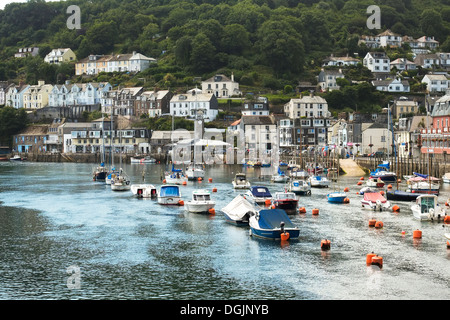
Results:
53 216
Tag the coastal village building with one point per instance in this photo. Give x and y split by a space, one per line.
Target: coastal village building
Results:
14 95
25 52
427 61
256 108
403 107
187 105
333 61
377 62
153 103
36 96
260 134
78 94
3 89
392 85
402 64
436 82
327 79
121 101
61 55
221 86
32 139
94 64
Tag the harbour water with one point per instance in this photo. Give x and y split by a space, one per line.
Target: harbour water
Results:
55 219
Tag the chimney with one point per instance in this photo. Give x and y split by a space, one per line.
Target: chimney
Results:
232 77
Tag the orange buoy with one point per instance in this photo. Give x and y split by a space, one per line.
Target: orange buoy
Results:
362 178
399 180
369 258
382 192
302 210
447 219
346 200
180 202
389 186
446 204
285 236
448 244
359 183
212 211
184 183
345 189
396 208
377 261
379 225
164 181
199 178
210 179
214 190
417 234
372 222
267 202
315 211
325 244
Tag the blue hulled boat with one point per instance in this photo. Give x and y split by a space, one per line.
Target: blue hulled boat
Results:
336 197
383 173
271 224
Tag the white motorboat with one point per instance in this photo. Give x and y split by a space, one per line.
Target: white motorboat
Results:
280 177
259 194
121 182
142 159
144 190
319 181
300 187
194 172
375 201
426 207
175 177
200 203
375 182
239 211
169 195
298 173
240 181
423 184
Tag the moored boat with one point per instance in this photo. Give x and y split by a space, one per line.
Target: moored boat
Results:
427 207
375 201
176 176
272 224
318 181
142 159
259 194
17 158
399 195
423 184
121 182
239 211
336 197
169 195
240 181
144 190
100 173
300 187
383 173
201 202
375 182
286 201
195 171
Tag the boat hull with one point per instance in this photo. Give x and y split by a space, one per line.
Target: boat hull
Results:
401 195
170 201
290 206
199 207
336 198
241 186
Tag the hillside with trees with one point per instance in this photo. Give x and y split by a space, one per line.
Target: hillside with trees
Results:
267 44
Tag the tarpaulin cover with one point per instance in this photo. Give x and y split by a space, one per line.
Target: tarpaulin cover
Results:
169 191
271 219
374 196
260 192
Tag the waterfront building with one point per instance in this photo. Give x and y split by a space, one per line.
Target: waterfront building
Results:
221 86
187 105
60 55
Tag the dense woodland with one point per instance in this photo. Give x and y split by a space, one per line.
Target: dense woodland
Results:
269 45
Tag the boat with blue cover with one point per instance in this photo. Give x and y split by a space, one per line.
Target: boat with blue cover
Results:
336 197
169 195
259 194
383 173
271 224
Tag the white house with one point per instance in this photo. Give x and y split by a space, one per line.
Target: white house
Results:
327 79
436 82
388 38
221 86
25 52
78 94
333 61
187 105
402 64
260 107
427 61
139 62
260 134
377 137
14 95
377 62
57 56
307 106
395 85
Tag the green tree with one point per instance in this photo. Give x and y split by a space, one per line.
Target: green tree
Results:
203 53
12 121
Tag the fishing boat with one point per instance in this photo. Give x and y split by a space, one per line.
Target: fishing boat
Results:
111 175
259 194
169 195
239 211
121 182
144 190
240 181
375 201
375 182
399 195
142 159
272 224
100 173
176 176
426 207
286 201
383 173
422 183
195 171
280 177
201 202
318 181
300 187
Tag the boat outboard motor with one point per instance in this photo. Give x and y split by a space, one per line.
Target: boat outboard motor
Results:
282 226
378 202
